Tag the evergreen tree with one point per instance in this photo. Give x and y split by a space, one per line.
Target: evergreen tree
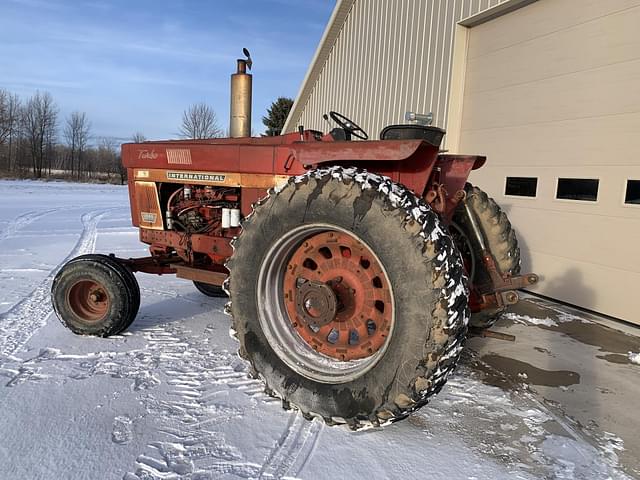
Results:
277 115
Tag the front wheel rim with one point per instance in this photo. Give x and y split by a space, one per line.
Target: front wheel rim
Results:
325 303
88 300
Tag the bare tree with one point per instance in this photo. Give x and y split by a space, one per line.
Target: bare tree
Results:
4 116
39 123
200 121
76 133
107 155
108 158
138 138
9 126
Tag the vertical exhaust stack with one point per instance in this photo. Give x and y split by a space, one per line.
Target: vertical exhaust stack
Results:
241 86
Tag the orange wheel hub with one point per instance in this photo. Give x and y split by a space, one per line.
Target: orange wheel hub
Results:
88 300
337 296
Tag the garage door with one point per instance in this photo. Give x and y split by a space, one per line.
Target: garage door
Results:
552 97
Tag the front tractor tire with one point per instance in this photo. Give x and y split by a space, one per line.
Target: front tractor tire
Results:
348 297
95 295
209 290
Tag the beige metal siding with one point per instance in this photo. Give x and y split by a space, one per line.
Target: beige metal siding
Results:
390 57
551 90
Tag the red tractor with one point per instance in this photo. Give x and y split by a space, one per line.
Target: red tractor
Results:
352 267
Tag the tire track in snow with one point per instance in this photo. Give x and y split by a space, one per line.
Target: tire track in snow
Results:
21 321
190 444
202 382
296 446
22 221
172 294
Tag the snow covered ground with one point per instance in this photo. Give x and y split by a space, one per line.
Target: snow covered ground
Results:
169 399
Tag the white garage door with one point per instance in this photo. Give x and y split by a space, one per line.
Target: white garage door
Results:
552 97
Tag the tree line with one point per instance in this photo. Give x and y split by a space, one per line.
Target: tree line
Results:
35 142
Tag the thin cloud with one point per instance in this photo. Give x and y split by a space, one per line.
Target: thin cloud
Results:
42 84
40 4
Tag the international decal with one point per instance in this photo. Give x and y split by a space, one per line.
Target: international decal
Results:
196 177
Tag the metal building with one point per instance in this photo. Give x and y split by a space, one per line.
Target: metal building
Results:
547 89
379 59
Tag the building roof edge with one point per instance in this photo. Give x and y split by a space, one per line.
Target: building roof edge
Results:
328 40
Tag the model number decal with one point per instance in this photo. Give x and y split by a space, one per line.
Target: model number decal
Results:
198 177
148 217
147 155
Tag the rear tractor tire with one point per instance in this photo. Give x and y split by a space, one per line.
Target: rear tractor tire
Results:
95 295
348 297
500 239
209 290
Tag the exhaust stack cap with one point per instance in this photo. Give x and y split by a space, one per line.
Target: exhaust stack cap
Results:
244 64
248 61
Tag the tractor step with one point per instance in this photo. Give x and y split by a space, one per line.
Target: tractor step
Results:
200 275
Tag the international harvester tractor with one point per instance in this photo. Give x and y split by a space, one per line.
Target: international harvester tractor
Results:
353 269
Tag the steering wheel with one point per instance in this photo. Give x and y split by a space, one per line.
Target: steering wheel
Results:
349 125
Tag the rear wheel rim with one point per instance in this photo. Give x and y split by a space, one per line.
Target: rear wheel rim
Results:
463 243
88 300
325 303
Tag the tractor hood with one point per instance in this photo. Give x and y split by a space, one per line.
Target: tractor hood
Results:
286 154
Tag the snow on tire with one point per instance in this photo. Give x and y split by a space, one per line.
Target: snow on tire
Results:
384 337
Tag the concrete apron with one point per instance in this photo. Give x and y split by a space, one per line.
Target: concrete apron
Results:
574 362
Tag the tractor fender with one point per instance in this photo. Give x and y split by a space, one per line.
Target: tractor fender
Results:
315 153
408 162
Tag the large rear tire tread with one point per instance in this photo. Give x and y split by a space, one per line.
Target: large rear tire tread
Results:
119 283
501 241
438 282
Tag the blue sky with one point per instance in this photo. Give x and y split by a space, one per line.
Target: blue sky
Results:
136 65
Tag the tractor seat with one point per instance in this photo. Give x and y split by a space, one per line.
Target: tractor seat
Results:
431 135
